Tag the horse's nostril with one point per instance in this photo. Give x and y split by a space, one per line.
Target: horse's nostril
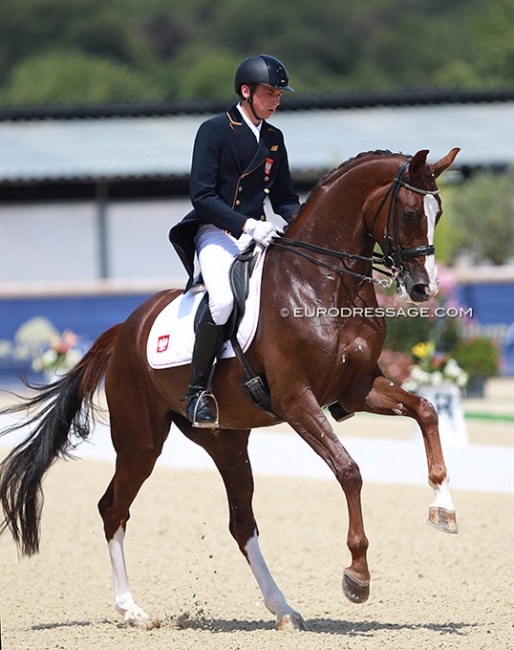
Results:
420 292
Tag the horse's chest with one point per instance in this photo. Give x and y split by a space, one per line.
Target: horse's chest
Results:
359 351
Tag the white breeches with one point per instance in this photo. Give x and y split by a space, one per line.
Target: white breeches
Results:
216 251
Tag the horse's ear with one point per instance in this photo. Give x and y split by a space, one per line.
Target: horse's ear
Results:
418 162
445 162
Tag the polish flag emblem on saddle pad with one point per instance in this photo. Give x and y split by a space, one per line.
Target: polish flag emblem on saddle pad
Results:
171 339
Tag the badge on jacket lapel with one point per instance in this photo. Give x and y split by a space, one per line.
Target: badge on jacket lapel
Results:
268 165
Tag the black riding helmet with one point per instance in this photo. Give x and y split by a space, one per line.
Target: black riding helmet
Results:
262 69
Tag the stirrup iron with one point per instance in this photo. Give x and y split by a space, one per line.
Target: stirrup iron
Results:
206 425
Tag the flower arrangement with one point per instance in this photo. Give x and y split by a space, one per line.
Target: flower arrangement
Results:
403 333
479 356
451 351
60 356
433 368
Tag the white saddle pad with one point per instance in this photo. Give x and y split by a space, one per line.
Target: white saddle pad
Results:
171 339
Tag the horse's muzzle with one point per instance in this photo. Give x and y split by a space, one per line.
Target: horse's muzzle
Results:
420 292
418 283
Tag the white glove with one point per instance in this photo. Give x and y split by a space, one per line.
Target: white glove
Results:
262 231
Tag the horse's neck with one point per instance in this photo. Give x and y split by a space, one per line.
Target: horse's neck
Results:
332 219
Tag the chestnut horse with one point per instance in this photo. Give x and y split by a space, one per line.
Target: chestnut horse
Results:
377 197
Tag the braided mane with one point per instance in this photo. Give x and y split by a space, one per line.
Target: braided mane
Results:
329 175
347 163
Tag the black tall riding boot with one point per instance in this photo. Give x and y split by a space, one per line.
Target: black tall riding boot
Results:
209 338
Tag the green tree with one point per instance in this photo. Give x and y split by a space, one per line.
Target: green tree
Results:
73 76
481 213
190 48
495 43
33 27
210 75
446 239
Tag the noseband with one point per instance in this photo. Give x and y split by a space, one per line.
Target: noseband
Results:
392 258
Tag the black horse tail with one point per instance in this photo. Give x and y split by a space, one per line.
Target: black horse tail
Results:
64 417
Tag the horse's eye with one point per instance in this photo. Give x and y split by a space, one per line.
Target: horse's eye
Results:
408 215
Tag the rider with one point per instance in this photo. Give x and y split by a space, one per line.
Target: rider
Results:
238 161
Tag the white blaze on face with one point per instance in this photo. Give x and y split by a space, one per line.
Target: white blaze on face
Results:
431 207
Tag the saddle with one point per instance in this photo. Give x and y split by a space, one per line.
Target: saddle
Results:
240 272
253 384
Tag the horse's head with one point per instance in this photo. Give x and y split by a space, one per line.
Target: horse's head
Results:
404 224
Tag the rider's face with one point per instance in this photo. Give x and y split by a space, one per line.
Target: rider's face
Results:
265 100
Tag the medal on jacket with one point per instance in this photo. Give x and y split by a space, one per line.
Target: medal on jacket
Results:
268 165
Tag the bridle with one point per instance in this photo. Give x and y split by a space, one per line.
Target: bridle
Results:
393 256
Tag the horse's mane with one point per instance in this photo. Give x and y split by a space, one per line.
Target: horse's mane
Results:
350 161
347 163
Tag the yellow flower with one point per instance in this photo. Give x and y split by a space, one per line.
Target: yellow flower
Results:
423 350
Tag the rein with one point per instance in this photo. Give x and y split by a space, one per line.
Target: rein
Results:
286 243
392 258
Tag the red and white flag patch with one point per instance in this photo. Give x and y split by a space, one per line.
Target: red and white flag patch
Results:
163 342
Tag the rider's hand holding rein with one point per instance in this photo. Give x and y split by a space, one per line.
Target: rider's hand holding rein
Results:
263 232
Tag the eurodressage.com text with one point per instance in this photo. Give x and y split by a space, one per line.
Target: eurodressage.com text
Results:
377 312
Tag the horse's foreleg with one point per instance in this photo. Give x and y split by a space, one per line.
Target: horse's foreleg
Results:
389 399
306 417
228 449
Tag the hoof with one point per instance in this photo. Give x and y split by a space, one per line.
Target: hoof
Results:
136 618
357 591
291 622
443 520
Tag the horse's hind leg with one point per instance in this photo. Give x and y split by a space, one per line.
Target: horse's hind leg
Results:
389 399
229 450
136 457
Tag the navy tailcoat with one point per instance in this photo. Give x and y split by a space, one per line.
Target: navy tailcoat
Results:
231 176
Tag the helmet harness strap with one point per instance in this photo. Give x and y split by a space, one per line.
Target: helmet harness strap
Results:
250 103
